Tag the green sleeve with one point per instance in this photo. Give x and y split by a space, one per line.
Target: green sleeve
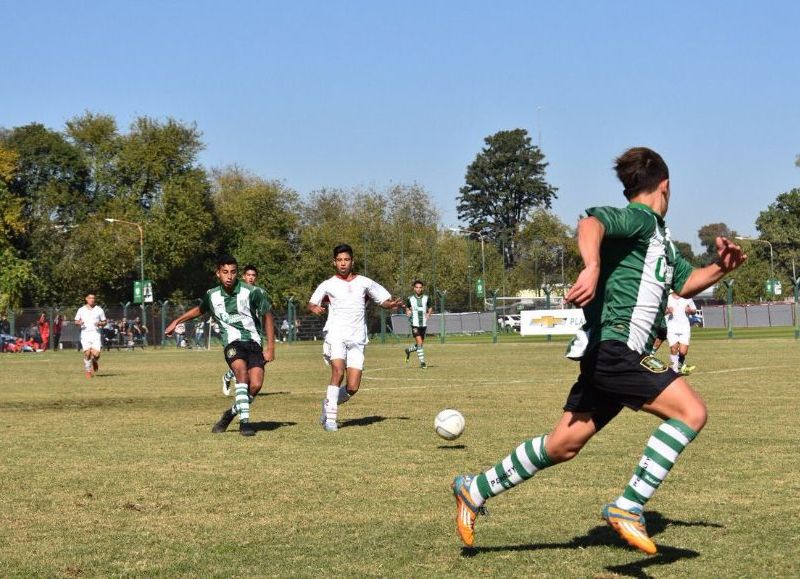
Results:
408 302
624 222
205 303
259 301
681 272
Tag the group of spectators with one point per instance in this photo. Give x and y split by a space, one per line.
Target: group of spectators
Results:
124 333
36 338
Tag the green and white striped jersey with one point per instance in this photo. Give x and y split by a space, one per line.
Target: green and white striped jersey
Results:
639 267
418 306
239 313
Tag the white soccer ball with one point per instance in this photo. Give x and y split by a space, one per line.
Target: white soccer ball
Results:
449 424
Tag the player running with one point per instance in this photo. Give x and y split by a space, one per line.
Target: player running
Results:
679 331
244 313
346 337
91 318
630 266
418 310
250 276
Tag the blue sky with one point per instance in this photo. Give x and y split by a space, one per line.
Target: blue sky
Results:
351 93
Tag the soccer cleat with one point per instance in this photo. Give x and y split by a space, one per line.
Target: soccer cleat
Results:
246 429
330 426
226 384
223 423
88 374
466 510
686 369
408 354
630 526
423 365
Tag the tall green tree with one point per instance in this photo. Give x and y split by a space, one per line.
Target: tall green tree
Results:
708 235
504 183
780 225
258 224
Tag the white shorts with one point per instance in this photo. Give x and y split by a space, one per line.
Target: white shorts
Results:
678 335
350 352
91 342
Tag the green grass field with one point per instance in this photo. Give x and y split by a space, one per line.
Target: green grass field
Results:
120 474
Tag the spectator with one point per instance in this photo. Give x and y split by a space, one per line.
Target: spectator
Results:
137 334
43 325
180 335
284 330
58 324
5 325
198 333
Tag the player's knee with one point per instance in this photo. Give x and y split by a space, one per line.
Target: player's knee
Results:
562 451
695 416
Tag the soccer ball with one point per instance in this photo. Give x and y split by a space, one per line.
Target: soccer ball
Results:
449 424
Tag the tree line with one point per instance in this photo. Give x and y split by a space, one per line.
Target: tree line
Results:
58 188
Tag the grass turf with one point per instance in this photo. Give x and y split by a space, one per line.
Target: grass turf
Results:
120 474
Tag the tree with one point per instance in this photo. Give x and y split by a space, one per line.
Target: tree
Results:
504 184
780 225
708 235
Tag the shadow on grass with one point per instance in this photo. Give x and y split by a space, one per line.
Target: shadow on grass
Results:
369 420
451 446
604 536
265 425
279 393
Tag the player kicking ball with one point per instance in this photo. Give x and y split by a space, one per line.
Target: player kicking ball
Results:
346 338
244 313
630 266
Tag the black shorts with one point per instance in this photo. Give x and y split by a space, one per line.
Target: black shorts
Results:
418 331
248 351
614 376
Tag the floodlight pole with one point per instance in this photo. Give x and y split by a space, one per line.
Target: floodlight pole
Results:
483 253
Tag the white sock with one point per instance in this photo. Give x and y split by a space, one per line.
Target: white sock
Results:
332 403
675 364
87 364
343 395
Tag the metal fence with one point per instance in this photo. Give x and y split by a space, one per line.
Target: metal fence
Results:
750 316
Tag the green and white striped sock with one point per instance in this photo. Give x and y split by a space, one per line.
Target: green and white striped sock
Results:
242 404
421 354
526 460
661 452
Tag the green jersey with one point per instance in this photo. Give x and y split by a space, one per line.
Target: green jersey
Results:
419 307
239 313
639 266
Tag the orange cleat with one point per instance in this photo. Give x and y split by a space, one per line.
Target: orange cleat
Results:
466 510
88 374
630 526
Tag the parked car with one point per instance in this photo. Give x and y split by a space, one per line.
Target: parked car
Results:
696 319
510 322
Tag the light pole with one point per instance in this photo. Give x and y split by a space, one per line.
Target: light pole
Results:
483 252
561 248
141 258
771 261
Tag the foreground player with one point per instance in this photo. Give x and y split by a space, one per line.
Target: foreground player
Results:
91 318
346 337
418 310
250 276
679 331
244 313
630 265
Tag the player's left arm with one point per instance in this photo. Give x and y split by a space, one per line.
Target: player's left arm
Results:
269 332
729 257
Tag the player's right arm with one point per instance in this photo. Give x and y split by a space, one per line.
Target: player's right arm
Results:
193 313
314 303
729 257
590 236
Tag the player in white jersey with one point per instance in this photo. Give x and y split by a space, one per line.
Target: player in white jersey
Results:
91 318
679 331
346 336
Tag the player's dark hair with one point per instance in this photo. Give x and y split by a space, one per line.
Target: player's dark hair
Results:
418 281
249 267
342 248
226 259
640 169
